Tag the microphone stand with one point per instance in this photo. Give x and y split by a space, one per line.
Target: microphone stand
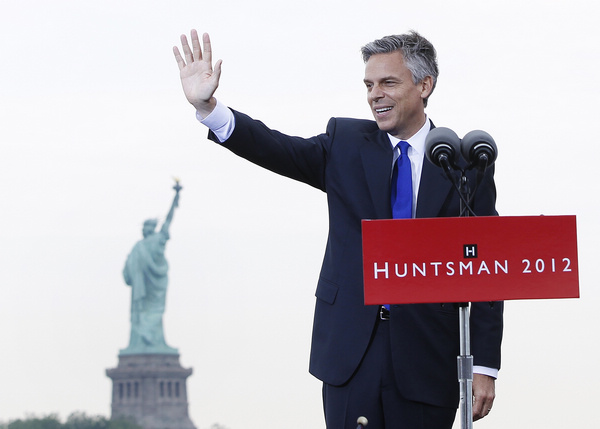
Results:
479 149
465 360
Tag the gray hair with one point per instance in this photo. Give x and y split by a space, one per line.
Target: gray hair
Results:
419 54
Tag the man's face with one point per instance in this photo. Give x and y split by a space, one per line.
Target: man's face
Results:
396 102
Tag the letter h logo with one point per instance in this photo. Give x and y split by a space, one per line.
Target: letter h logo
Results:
469 251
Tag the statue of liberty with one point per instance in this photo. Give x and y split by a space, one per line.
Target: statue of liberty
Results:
146 272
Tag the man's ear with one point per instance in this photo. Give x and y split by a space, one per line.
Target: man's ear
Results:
426 87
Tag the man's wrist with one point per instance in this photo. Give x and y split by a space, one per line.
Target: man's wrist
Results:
205 108
220 121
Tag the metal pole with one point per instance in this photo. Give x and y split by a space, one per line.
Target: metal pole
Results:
465 360
465 369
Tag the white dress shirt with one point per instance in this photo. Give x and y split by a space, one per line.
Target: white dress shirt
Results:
416 154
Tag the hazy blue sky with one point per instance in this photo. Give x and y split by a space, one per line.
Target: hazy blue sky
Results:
94 125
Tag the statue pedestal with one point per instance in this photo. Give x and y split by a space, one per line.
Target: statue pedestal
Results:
151 390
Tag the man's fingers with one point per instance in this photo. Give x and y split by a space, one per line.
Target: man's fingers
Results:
178 58
482 407
195 53
217 70
480 415
484 393
186 49
478 411
196 46
207 47
198 78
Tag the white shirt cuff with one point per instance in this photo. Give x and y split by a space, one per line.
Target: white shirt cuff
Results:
484 370
220 121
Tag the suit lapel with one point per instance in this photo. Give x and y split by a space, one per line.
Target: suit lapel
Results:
433 190
376 154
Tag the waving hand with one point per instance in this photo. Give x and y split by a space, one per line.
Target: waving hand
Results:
198 78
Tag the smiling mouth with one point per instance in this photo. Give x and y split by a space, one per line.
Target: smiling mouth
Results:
383 109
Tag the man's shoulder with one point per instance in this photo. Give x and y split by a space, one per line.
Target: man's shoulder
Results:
360 124
366 124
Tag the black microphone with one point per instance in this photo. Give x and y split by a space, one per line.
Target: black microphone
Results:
479 149
362 422
442 147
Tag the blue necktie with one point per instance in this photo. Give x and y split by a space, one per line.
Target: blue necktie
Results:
402 198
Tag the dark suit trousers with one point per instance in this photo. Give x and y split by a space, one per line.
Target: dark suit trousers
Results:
372 393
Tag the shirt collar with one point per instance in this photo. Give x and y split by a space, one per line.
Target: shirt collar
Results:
417 141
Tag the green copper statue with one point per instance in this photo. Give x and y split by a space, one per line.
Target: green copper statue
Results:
146 272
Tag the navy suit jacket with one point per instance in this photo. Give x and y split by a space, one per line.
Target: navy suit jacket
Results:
352 163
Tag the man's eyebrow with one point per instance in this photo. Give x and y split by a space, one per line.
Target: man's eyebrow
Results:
383 79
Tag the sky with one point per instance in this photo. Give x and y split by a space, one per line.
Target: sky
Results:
94 126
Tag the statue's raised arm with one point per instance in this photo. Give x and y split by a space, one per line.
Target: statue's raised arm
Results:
174 205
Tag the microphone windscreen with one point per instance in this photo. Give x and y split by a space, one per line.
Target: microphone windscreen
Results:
476 143
442 141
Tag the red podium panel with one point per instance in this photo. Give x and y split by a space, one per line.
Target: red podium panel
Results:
469 259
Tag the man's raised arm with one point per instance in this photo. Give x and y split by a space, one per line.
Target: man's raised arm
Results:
198 78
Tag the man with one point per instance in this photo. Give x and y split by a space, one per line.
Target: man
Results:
397 369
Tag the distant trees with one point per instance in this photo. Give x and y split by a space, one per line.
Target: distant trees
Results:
49 422
77 420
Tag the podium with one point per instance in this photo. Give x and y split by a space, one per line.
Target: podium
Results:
469 259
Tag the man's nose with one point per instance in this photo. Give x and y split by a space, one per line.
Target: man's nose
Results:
376 93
